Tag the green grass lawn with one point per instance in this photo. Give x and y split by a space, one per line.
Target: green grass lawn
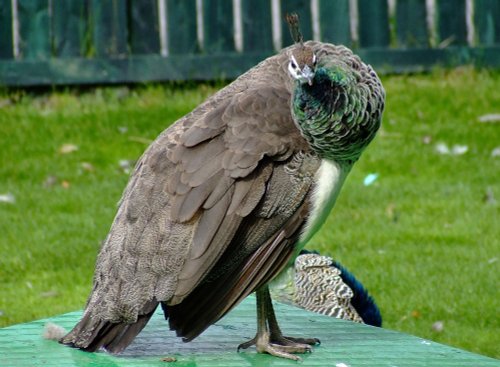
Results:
424 238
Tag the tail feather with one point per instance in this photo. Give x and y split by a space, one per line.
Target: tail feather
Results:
127 336
93 333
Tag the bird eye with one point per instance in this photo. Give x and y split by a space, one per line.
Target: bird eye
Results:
293 63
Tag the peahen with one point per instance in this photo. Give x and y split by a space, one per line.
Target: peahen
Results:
222 201
320 284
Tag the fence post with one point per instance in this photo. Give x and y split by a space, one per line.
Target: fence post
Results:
181 25
334 22
411 26
144 33
373 23
34 29
218 26
452 28
70 34
6 47
487 21
109 23
257 25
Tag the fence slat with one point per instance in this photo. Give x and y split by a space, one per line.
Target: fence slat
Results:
34 29
487 21
218 26
335 22
373 23
181 24
69 29
303 9
257 25
411 26
118 41
144 30
109 20
6 50
452 28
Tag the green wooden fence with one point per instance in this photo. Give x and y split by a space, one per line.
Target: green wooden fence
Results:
53 42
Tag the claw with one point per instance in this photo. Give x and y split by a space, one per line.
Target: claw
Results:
308 341
283 347
279 351
269 338
247 344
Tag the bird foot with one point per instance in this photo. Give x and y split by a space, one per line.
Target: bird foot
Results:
281 346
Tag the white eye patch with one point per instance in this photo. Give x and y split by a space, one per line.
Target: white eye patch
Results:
293 67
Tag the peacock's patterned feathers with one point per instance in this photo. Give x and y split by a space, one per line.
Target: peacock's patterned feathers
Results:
316 283
321 289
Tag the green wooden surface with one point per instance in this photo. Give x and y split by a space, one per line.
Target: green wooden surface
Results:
218 26
334 24
411 26
257 25
144 36
34 29
451 22
373 23
344 343
69 29
109 23
303 9
487 20
6 50
181 24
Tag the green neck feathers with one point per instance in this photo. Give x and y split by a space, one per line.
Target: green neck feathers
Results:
335 114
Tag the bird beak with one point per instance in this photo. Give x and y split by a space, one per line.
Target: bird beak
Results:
308 75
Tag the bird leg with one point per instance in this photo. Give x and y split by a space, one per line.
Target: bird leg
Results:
277 335
269 338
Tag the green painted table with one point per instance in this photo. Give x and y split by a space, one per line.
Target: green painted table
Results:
343 344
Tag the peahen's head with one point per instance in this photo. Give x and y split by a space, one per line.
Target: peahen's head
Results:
302 64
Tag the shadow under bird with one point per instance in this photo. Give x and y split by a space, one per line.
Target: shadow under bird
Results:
223 200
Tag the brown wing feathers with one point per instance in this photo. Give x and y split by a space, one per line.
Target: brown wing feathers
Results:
225 174
212 300
247 264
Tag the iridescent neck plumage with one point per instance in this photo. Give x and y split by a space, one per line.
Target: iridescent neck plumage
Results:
331 114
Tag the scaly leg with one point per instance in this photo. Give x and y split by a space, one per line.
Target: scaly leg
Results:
269 338
276 334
